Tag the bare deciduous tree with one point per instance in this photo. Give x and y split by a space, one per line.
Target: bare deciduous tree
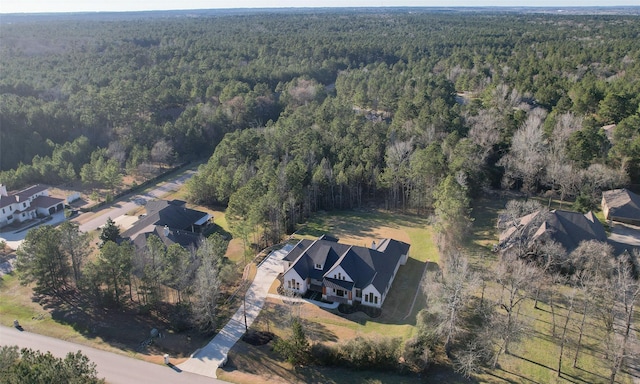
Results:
515 278
527 158
447 293
162 152
591 264
206 286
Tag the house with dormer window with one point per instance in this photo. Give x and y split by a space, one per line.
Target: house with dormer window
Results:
344 273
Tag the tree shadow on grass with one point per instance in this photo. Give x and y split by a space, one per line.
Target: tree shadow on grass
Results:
564 375
494 373
279 315
124 328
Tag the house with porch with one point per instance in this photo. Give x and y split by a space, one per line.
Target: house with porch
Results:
27 204
344 273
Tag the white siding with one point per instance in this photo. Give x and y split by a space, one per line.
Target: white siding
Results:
339 274
371 297
292 278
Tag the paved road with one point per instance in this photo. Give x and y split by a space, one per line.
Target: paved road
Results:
123 206
97 219
114 368
207 360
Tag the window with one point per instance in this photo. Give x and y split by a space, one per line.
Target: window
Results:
358 293
318 266
2 210
375 299
289 284
339 276
24 205
340 292
298 286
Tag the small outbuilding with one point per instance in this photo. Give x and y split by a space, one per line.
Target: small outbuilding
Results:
621 205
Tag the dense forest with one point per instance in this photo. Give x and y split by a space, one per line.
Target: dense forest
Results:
295 112
324 110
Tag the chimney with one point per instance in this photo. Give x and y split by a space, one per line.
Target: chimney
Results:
3 190
166 231
373 244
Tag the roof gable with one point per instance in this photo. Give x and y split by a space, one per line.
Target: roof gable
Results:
363 265
174 214
622 203
569 229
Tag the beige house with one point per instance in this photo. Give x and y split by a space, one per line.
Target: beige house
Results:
621 205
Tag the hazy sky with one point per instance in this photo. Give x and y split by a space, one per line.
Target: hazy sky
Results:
11 6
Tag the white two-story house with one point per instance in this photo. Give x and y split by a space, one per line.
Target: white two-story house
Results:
27 204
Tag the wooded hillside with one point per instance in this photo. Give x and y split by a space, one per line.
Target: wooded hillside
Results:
326 109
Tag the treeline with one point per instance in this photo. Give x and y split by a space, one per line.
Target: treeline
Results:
182 84
184 283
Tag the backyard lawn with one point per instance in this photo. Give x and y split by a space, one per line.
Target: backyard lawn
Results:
251 364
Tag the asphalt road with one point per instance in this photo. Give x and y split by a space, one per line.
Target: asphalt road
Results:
123 206
116 369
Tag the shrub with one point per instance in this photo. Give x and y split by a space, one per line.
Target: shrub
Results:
362 353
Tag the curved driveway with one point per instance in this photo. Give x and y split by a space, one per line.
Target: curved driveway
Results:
207 360
116 369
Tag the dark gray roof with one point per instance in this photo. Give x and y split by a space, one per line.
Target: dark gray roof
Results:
364 265
46 202
571 228
185 239
173 214
338 284
21 196
623 204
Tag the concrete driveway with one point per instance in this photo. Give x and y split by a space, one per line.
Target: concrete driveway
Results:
625 234
92 221
624 237
15 237
207 360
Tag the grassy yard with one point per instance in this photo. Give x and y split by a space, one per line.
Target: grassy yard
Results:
532 360
251 364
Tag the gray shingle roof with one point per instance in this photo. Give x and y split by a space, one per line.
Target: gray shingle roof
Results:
185 239
623 204
571 228
173 214
364 265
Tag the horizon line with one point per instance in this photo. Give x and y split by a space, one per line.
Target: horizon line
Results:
559 7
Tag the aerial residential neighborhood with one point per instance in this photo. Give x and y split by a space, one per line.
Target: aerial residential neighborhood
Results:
369 194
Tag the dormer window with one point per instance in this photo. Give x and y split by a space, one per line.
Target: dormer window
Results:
319 266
